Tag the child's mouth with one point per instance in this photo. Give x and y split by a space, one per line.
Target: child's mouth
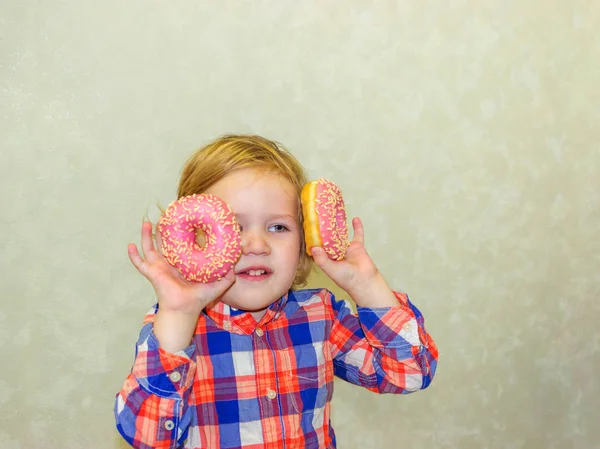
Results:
254 274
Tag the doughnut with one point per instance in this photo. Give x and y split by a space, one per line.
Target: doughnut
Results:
214 217
324 218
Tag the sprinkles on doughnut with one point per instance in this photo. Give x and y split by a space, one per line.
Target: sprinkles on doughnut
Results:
214 217
324 218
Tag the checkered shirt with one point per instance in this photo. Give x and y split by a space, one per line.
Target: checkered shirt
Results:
243 384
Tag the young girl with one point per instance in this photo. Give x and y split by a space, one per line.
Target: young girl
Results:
248 361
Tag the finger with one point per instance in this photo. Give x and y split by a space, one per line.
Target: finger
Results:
158 239
359 232
147 243
135 258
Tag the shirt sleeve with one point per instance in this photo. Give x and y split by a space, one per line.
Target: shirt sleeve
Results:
151 409
386 350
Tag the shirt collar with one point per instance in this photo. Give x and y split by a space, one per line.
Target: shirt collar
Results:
240 321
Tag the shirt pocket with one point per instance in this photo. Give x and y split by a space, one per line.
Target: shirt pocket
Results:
307 378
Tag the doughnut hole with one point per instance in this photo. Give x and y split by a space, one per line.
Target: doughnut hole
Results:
200 238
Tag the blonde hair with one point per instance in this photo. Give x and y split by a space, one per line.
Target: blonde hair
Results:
229 153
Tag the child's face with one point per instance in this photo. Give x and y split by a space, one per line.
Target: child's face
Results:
266 207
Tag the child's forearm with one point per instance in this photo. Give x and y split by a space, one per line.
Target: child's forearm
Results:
174 330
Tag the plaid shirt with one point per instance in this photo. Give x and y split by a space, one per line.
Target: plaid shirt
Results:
243 384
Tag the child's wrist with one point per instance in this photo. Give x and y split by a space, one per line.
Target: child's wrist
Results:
373 293
174 330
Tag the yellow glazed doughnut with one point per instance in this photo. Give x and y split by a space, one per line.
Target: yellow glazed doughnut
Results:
324 218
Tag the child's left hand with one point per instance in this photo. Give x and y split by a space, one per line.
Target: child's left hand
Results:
357 273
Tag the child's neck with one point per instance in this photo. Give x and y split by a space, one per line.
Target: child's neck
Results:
258 315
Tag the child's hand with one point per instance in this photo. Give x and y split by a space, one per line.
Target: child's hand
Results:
357 273
174 292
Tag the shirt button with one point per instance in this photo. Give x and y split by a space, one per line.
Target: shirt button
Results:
271 394
227 325
407 327
259 332
169 425
175 376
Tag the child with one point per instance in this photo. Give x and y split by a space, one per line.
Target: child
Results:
248 361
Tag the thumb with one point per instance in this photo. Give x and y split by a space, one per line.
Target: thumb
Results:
219 287
322 260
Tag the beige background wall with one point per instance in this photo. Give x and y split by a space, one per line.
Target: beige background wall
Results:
465 136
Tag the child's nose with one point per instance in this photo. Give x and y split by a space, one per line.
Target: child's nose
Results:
254 242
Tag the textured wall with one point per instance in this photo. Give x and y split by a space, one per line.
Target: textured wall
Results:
466 136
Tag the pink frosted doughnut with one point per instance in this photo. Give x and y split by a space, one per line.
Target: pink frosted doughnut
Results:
324 218
215 218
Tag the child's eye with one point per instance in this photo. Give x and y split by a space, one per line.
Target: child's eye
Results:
278 228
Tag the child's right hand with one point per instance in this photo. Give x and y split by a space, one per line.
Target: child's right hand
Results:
180 301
